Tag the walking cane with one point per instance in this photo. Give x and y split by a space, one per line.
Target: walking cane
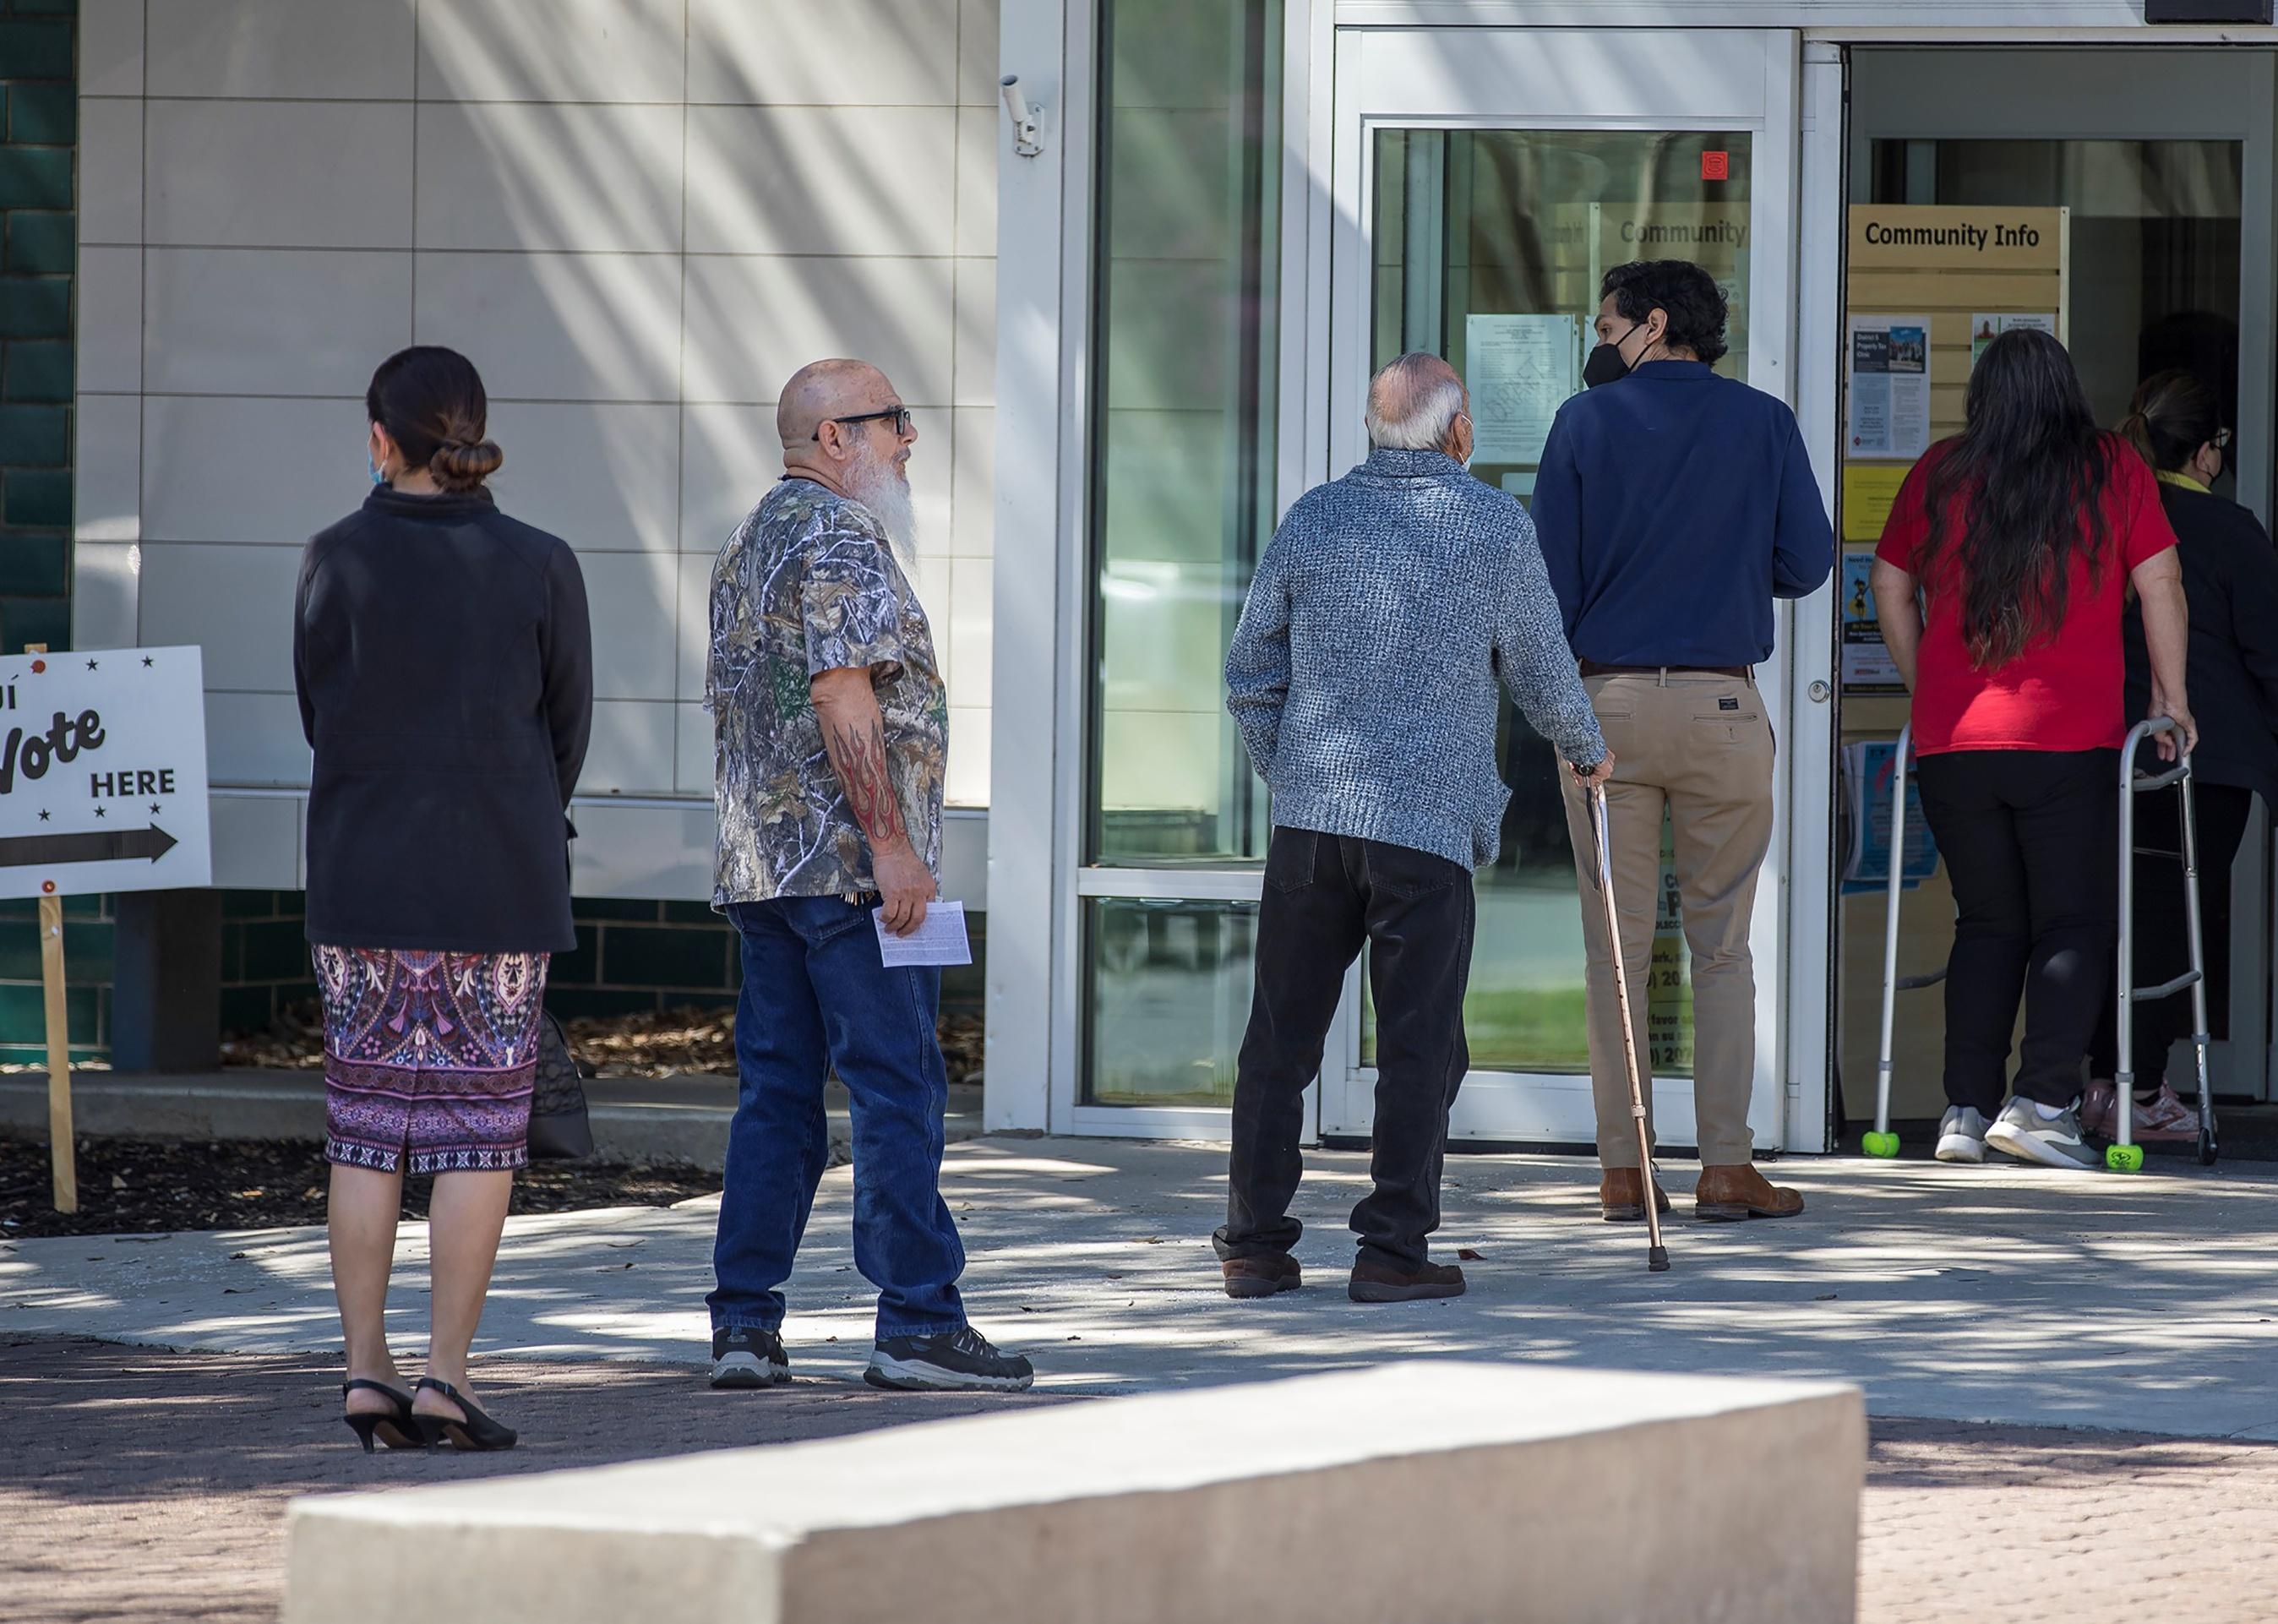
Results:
1656 1255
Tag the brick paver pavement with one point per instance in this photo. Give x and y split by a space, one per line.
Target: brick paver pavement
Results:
139 1485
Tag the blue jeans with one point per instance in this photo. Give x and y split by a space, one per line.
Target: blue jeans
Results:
817 997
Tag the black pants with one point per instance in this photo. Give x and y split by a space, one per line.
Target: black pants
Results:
2163 940
2028 836
1325 896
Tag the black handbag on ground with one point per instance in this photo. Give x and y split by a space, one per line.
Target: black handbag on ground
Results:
559 1130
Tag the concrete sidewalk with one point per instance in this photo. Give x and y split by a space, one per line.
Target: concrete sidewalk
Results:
1997 1293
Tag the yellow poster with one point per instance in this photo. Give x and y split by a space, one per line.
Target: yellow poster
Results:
1869 490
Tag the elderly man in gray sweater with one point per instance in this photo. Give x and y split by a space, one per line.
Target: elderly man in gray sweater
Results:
1392 608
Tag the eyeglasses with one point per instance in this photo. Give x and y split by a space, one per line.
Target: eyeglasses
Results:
899 414
2222 440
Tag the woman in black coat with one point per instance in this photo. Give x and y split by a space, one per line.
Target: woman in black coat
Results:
2230 579
445 669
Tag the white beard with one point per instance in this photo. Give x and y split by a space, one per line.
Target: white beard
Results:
874 482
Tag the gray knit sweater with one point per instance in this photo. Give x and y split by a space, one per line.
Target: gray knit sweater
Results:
1363 672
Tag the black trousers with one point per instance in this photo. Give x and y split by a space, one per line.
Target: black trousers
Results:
2163 939
2028 839
1325 896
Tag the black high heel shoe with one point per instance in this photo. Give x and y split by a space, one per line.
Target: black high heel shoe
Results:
397 1430
477 1431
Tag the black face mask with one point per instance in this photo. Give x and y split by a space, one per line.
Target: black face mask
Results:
1605 365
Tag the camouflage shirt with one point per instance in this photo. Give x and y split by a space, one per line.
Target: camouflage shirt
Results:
809 583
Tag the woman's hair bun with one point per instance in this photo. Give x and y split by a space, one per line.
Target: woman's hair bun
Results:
462 466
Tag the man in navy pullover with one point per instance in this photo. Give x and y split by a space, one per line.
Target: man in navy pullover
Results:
1672 507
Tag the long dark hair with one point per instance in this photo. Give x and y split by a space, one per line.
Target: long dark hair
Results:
2010 492
431 401
2173 414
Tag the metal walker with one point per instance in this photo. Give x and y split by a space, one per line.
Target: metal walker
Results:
2123 1155
1880 1141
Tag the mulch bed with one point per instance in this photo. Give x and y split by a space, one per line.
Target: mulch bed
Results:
663 1043
133 1185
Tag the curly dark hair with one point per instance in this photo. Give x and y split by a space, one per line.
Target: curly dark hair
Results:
1695 305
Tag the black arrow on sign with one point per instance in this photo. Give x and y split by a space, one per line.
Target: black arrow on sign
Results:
104 846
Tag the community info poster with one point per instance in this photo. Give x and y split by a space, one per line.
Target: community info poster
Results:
1888 379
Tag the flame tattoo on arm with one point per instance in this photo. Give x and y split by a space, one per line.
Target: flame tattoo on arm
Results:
858 755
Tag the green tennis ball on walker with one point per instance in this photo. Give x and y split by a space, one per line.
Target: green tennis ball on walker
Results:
1882 1144
2124 1158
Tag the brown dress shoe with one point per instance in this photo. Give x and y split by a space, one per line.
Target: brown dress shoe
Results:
1621 1196
1260 1276
1728 1194
1379 1283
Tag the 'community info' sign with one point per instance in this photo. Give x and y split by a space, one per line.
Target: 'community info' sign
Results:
103 772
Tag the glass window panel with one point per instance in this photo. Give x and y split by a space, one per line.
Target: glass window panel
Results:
1181 477
1171 996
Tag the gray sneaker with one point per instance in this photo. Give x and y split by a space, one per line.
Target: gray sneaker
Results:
1962 1134
2059 1141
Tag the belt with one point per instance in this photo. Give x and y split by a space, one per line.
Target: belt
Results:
1591 668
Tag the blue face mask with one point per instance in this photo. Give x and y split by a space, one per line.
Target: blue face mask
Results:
378 478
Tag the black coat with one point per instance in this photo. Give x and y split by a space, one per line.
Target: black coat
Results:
2230 580
445 674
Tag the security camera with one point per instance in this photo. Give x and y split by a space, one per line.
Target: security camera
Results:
1026 141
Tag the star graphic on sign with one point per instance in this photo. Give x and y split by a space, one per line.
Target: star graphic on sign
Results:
44 817
98 811
155 809
146 663
90 665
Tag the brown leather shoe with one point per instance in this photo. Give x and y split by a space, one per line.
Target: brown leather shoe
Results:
1621 1196
1728 1194
1261 1277
1378 1282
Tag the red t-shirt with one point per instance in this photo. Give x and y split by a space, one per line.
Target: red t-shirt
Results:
2063 693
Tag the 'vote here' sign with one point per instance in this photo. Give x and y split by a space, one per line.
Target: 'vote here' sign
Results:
103 772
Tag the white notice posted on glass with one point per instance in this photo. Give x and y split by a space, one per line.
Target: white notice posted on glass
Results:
940 939
1520 370
1889 375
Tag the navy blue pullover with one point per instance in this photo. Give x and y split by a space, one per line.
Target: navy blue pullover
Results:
1672 507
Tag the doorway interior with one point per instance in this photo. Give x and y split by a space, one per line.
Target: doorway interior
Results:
2162 161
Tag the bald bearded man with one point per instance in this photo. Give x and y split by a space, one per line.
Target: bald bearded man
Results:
830 745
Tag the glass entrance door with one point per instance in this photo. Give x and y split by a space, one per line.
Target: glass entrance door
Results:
1486 181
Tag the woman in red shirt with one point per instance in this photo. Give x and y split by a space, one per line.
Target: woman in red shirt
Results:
2024 533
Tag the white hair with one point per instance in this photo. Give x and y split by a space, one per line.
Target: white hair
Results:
1413 404
878 483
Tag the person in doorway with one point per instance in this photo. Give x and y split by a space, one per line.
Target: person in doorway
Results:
445 669
830 742
2024 533
1389 608
2230 582
1674 506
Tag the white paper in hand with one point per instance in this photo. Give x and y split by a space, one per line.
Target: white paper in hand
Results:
941 939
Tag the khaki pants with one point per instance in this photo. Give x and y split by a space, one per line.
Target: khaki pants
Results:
1701 746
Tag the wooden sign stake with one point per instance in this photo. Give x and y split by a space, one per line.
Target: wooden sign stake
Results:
63 1147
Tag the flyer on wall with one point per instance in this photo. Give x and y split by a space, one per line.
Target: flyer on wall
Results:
1868 667
1888 373
1521 370
1983 329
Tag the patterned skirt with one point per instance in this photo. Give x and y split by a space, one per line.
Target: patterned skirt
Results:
428 1056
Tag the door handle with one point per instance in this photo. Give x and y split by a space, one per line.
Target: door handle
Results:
1820 692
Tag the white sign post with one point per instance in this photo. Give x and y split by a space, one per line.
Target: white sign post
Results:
103 787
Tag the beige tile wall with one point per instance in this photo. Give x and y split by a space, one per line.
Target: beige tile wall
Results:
637 216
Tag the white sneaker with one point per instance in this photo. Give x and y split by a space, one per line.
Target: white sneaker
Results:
2058 1141
1961 1134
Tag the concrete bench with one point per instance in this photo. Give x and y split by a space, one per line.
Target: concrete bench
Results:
1431 1492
